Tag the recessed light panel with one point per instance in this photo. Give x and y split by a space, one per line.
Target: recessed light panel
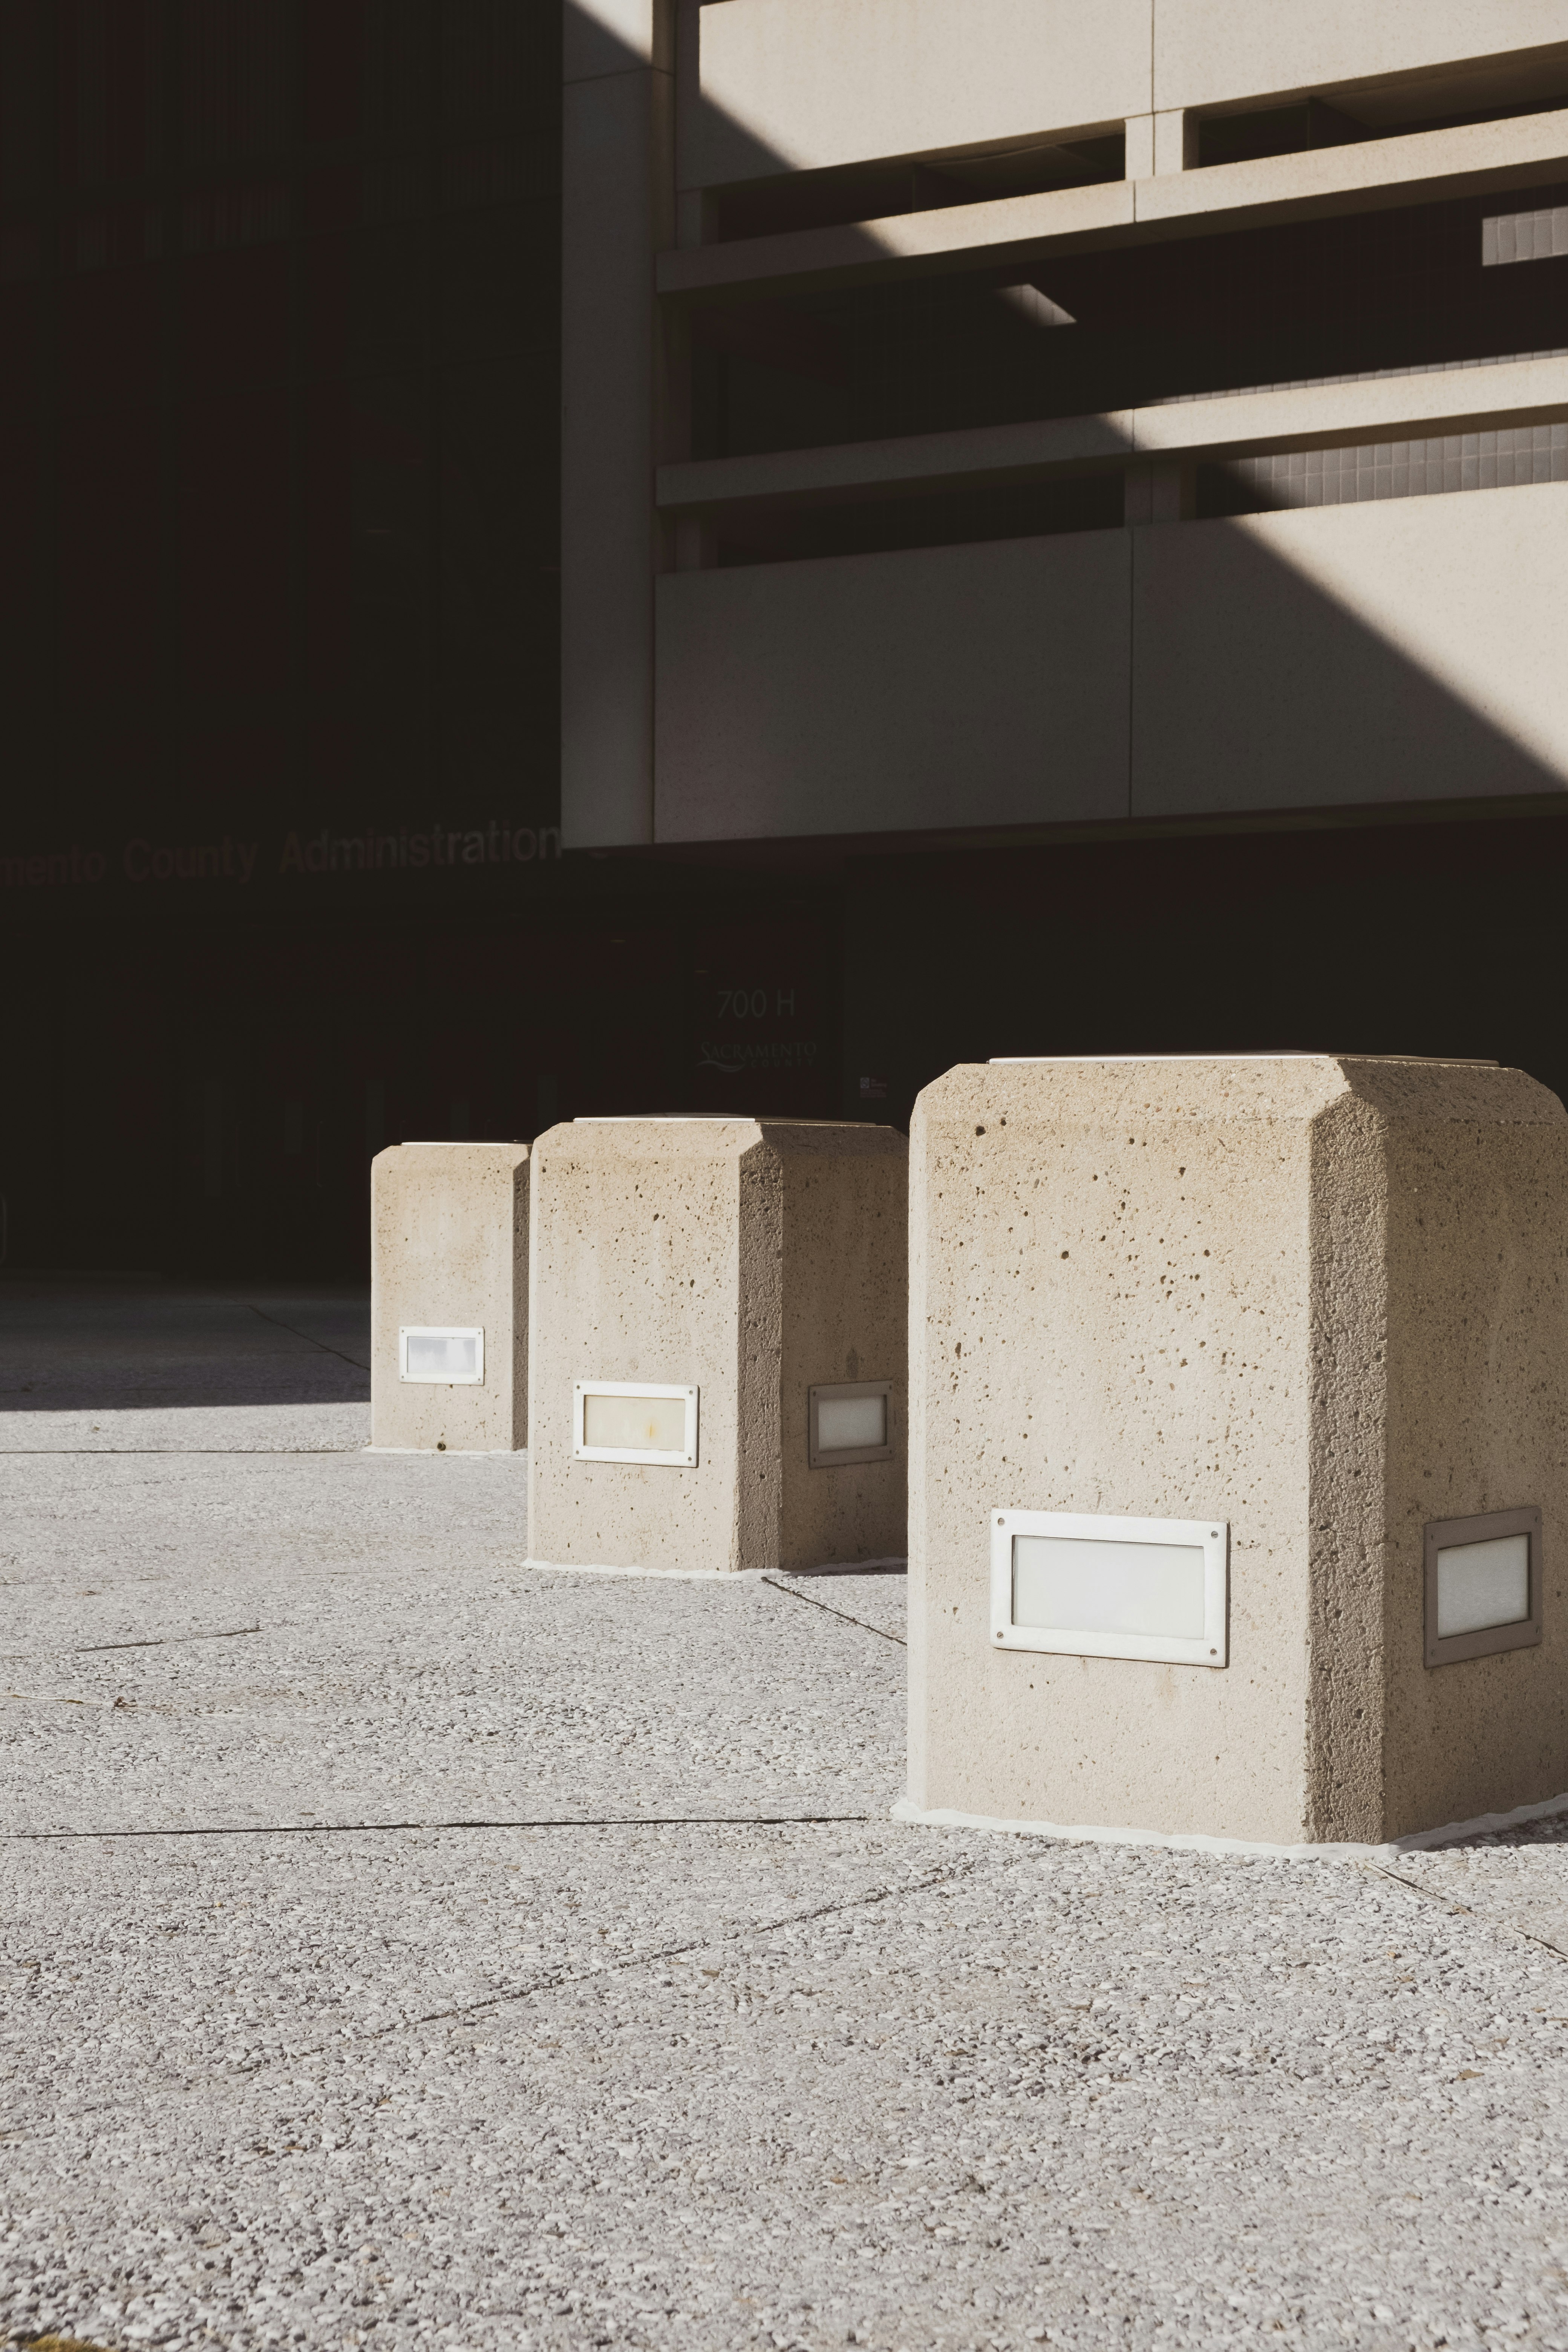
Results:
1483 1581
441 1354
848 1421
1094 1587
634 1421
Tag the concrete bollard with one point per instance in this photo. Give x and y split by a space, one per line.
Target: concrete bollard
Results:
1237 1465
449 1296
717 1377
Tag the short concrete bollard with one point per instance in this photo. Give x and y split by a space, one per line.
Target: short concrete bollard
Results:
1237 1473
718 1308
449 1296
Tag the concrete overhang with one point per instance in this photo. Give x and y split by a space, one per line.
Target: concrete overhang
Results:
1379 175
1252 424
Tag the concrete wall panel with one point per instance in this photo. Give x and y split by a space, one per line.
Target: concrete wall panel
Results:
602 37
942 687
1214 52
616 185
793 85
1404 650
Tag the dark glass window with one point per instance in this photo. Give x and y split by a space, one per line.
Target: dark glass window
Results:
278 364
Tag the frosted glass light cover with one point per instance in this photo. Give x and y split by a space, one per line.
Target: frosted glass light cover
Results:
1078 1587
444 1354
634 1421
848 1423
1099 1585
843 1421
635 1425
1482 1584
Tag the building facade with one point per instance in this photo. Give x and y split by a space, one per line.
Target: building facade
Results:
594 555
1093 476
281 875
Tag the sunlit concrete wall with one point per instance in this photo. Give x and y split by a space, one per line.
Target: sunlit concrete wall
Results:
1401 651
796 84
791 85
1222 52
970 685
1404 650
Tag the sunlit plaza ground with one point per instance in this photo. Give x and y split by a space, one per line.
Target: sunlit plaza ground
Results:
405 1947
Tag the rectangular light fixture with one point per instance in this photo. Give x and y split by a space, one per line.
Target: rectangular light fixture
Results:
849 1421
633 1420
443 1354
1483 1579
1093 1587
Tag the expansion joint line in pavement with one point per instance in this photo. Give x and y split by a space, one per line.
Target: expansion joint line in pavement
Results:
544 1822
812 1601
564 1979
94 1648
278 1325
560 1978
1461 1910
163 1641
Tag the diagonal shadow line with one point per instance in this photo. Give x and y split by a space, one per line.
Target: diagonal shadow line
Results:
543 1822
1463 1910
278 1325
1415 718
812 1600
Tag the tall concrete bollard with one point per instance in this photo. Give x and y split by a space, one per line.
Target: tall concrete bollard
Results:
717 1376
449 1296
1238 1471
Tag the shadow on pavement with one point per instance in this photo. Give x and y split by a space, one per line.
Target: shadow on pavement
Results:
87 1346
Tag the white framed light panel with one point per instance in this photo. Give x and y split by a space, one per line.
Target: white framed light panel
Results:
849 1421
634 1421
1099 1587
443 1354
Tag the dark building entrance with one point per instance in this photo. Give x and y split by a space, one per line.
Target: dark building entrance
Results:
280 868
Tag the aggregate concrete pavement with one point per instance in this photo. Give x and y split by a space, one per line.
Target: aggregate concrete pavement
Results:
402 1946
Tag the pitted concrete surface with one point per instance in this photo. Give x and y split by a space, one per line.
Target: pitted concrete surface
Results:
402 1946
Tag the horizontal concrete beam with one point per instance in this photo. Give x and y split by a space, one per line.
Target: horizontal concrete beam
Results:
775 86
922 460
1365 655
1311 416
1412 54
1379 175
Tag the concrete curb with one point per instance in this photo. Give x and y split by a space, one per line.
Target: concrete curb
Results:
1080 1833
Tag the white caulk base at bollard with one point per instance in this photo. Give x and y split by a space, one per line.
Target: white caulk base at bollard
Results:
1093 1834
